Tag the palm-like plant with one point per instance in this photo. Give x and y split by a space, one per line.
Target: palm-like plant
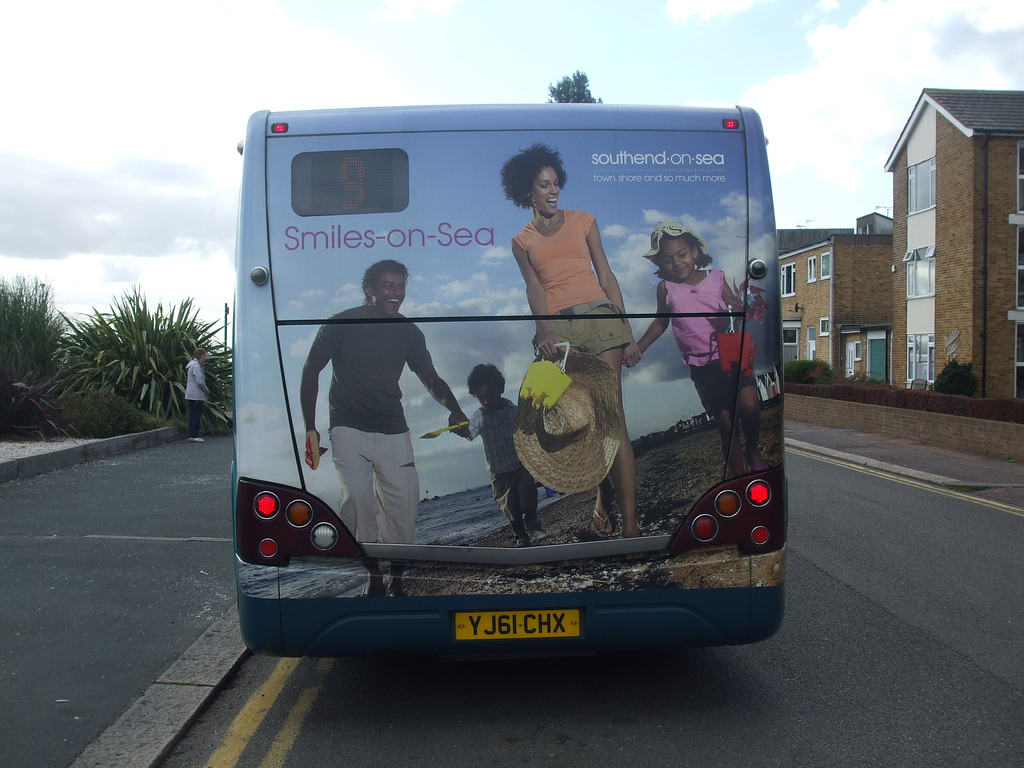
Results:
140 354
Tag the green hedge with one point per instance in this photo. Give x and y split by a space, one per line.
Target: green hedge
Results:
104 415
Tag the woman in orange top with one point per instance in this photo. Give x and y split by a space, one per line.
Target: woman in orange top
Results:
567 275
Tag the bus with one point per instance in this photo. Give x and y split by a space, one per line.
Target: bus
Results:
507 380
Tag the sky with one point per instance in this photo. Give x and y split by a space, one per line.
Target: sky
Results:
118 160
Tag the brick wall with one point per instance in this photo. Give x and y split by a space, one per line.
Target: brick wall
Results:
899 275
1002 267
999 439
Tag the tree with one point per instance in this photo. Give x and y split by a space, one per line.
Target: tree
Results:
572 90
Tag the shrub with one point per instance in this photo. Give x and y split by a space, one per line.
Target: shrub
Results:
140 354
956 379
807 372
31 329
27 407
105 415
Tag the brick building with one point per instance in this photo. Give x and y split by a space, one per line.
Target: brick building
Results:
837 297
957 268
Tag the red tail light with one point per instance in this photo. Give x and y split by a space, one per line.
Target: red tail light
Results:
307 527
748 512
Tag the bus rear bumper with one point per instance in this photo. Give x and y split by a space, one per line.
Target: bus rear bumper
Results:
423 625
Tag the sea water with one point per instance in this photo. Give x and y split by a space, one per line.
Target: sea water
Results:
463 516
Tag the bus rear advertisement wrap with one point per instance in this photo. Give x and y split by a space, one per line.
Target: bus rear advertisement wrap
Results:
514 378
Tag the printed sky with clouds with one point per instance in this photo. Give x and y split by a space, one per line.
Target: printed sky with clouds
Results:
118 161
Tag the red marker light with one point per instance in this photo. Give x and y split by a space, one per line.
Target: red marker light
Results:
279 128
759 535
759 493
268 547
731 123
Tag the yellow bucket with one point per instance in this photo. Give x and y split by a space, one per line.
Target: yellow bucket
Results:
545 381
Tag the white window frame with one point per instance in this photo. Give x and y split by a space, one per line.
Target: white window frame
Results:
1020 176
1020 267
824 326
789 281
812 269
921 353
921 186
1020 360
918 260
825 272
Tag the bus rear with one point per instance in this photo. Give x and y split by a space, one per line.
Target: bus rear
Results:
507 380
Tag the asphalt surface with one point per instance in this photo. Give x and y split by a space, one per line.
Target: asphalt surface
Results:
147 730
109 571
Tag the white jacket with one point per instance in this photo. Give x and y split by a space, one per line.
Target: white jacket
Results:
195 381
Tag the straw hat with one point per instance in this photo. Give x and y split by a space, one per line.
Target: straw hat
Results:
570 446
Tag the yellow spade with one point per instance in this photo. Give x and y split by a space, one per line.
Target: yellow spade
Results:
441 431
546 381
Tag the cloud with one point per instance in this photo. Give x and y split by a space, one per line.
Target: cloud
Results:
138 207
839 117
680 10
405 10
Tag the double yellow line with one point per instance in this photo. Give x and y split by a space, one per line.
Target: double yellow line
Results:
248 721
938 489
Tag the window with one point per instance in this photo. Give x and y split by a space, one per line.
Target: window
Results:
789 344
1020 267
1020 359
920 272
812 269
1020 176
857 351
921 357
789 279
823 326
826 266
921 186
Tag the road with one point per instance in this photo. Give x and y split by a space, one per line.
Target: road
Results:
902 646
110 570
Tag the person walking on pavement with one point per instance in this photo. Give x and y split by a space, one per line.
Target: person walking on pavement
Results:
196 393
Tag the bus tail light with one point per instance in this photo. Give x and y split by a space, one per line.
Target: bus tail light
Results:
268 547
748 512
324 536
266 505
704 528
727 503
299 513
307 526
759 493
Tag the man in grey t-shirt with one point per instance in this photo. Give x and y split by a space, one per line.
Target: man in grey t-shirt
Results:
368 432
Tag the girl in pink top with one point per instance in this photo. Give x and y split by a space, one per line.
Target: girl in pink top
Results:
574 297
682 257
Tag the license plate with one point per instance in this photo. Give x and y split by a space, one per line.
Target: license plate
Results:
517 625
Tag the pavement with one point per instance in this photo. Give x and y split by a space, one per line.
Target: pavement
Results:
146 732
994 478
